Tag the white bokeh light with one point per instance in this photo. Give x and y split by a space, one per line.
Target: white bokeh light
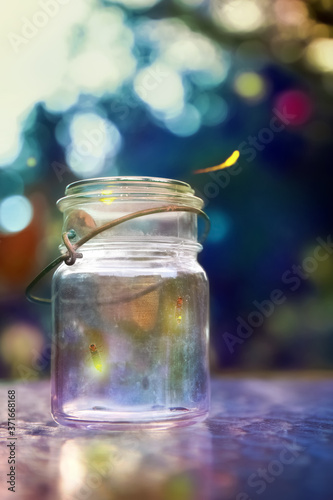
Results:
194 52
63 99
39 65
319 55
243 16
186 51
33 61
106 59
15 213
161 88
93 70
93 141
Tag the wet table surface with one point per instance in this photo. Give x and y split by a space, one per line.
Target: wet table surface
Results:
265 439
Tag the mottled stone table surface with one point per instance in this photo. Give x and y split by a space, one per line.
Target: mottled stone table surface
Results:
265 439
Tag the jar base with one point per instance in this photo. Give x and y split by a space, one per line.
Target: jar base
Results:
130 421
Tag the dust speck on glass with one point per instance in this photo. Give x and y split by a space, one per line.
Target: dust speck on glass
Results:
130 318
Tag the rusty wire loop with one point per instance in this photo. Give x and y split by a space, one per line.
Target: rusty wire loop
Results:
71 255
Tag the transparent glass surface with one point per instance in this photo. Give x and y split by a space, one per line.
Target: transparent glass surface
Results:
131 328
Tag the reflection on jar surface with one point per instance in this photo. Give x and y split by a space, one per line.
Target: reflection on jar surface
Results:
131 316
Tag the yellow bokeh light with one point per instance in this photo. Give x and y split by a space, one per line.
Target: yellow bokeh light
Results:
319 55
21 344
250 85
31 162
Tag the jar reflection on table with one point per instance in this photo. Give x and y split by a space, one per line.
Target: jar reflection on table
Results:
143 464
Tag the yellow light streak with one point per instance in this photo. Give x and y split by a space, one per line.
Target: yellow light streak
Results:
228 163
107 201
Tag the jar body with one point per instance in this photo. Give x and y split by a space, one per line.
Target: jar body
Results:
130 320
131 339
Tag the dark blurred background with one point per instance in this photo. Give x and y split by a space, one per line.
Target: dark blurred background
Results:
161 88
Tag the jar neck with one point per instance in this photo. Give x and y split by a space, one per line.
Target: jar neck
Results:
93 203
167 248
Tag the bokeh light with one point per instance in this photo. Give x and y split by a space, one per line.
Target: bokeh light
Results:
290 12
296 105
106 59
319 55
20 345
186 123
92 69
31 162
213 109
15 213
250 85
196 53
161 88
33 67
220 226
62 99
93 141
54 73
239 16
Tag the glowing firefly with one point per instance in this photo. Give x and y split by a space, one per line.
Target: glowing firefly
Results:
179 308
96 357
228 163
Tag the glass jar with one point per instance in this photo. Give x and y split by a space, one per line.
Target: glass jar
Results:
130 317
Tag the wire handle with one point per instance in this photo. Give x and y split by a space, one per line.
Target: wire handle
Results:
71 255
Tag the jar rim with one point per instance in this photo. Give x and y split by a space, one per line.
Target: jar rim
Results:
128 180
124 187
